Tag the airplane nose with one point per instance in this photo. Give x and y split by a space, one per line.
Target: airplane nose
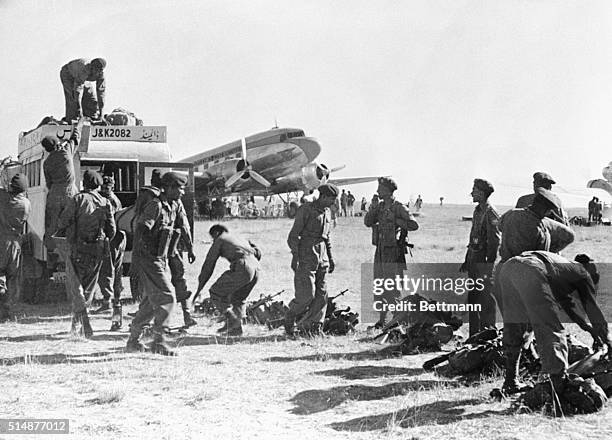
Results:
309 146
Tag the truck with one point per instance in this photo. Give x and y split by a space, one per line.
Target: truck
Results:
128 153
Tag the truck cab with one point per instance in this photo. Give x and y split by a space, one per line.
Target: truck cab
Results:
128 153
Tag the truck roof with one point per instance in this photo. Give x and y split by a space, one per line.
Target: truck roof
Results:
112 142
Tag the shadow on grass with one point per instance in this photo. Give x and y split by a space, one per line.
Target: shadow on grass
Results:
371 372
322 357
443 412
62 358
314 401
65 335
187 341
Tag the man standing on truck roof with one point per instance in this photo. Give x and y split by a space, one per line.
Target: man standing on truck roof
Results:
58 169
81 100
89 224
14 212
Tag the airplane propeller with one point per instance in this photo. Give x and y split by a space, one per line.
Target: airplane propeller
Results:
244 170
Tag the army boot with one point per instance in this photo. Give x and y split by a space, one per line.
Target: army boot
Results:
234 321
512 385
159 345
134 345
117 318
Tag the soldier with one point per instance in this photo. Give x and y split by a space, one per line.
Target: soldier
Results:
14 212
89 224
154 227
543 180
78 93
529 229
145 195
535 285
311 261
112 266
390 221
481 254
230 291
181 240
60 179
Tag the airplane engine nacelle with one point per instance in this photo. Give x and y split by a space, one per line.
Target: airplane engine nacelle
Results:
310 176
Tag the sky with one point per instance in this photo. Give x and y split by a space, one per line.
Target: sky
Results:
434 93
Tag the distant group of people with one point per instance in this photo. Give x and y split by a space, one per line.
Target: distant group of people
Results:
595 209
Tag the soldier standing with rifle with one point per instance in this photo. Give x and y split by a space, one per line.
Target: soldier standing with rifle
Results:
230 291
390 221
311 261
481 255
154 227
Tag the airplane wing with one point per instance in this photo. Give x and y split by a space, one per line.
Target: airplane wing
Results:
600 184
342 181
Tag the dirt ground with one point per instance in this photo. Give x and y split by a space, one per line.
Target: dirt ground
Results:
262 385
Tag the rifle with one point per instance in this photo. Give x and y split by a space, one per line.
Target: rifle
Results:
331 298
263 300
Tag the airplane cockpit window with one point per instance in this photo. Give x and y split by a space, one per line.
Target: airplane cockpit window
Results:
295 134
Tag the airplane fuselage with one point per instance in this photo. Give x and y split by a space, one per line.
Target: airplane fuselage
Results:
284 156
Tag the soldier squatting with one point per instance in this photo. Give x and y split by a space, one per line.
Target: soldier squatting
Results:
527 283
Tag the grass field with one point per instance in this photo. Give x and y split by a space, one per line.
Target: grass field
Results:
262 385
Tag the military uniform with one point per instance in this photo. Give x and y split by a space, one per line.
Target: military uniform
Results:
111 270
558 214
182 234
522 230
154 228
14 212
89 224
145 195
80 97
58 169
479 260
310 245
390 221
535 287
232 288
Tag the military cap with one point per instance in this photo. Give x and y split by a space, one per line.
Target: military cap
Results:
92 179
49 143
484 186
19 183
172 178
328 190
156 178
108 179
99 62
388 182
541 177
546 198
